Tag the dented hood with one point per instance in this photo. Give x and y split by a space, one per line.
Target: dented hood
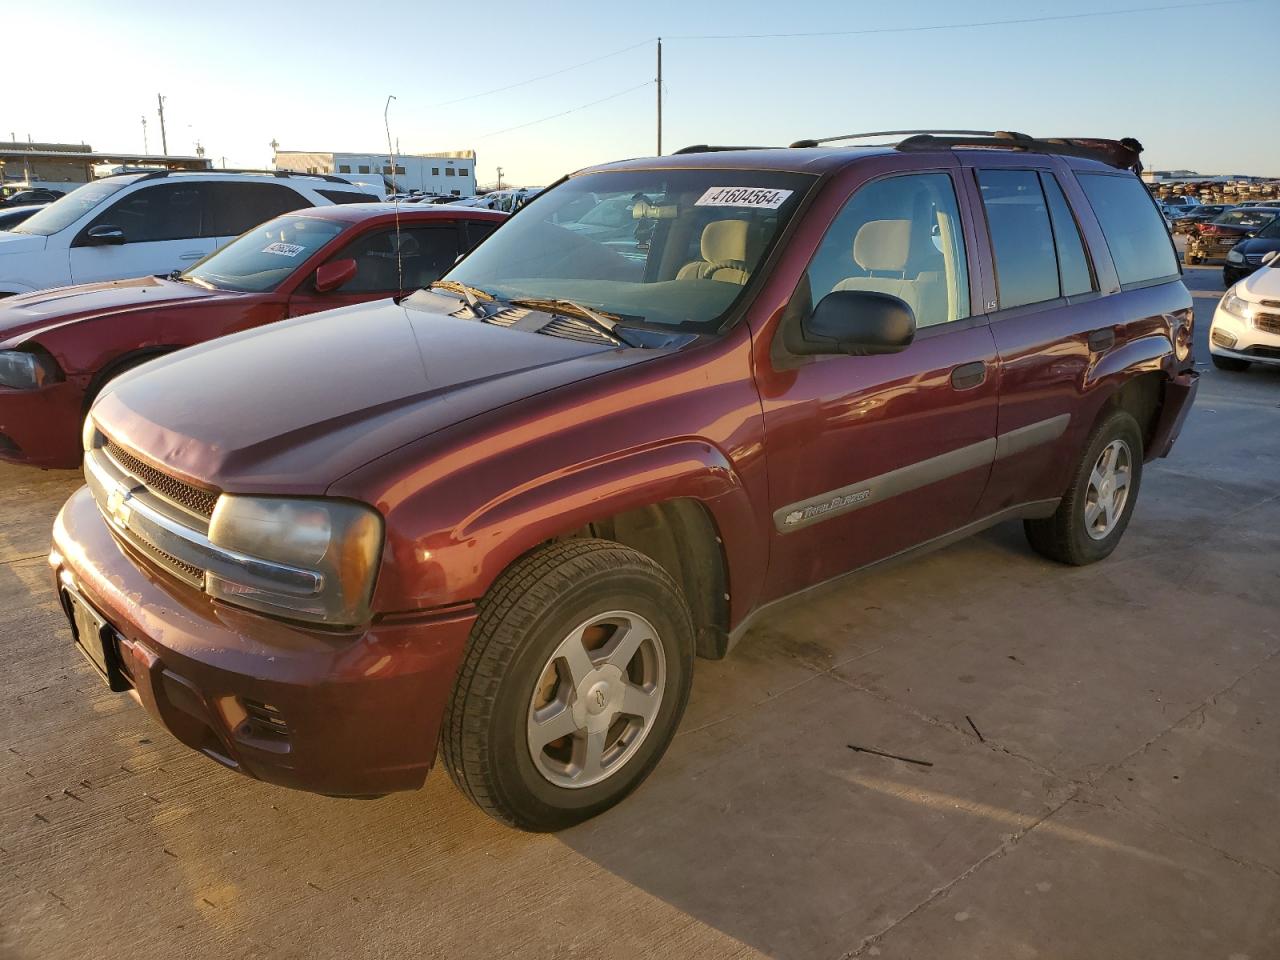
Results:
292 407
32 314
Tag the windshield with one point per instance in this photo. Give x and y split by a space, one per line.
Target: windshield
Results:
265 256
1246 218
668 247
65 211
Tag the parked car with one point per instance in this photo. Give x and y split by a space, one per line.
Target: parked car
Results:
132 224
1247 255
60 347
1210 242
35 196
10 217
503 514
1199 214
1246 324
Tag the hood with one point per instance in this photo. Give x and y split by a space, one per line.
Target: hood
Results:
20 243
1258 245
1262 284
294 406
30 314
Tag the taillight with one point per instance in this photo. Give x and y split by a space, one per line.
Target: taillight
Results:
1209 228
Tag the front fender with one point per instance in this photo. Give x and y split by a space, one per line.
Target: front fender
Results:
459 563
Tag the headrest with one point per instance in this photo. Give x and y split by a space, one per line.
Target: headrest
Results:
724 241
882 245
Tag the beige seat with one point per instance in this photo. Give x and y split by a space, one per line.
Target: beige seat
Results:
724 254
884 247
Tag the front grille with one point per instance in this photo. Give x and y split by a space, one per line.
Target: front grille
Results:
176 491
1270 353
265 720
185 571
1267 322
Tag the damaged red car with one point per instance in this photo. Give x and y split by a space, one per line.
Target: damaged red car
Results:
60 347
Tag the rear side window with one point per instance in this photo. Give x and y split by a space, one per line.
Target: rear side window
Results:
1134 230
167 211
236 207
1021 237
477 230
421 254
347 196
1073 264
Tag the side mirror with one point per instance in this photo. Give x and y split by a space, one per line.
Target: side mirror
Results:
1270 258
859 323
104 235
334 274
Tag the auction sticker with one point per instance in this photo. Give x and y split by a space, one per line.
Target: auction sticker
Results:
759 198
284 249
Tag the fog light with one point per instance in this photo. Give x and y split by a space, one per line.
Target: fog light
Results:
1221 338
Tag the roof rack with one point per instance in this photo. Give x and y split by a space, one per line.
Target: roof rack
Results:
282 174
710 148
1123 154
901 133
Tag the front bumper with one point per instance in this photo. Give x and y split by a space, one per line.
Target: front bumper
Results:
348 715
41 428
1232 336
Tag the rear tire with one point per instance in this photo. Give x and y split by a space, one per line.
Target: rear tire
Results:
1095 511
574 681
1233 364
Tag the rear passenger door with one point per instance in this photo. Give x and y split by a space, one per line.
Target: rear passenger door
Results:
1049 317
163 227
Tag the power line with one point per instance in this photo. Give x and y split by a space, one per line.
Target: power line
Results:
554 73
959 26
612 96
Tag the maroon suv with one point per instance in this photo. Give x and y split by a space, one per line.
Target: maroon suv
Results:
501 516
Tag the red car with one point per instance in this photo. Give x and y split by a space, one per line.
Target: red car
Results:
503 515
60 347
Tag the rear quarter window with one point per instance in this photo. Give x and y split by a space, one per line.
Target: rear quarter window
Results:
237 207
347 196
1133 228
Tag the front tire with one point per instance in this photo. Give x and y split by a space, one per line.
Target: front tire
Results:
1095 511
574 681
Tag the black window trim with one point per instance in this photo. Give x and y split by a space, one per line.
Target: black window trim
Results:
1094 286
1135 284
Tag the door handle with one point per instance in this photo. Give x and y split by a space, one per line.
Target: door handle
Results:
191 256
969 375
1102 340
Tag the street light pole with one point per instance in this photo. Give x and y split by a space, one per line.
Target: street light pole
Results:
659 96
164 141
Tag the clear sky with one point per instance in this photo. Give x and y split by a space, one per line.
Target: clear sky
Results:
316 75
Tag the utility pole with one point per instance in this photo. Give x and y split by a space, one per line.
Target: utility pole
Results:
164 141
659 96
499 178
145 149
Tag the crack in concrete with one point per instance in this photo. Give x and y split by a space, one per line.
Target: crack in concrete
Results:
34 556
1079 786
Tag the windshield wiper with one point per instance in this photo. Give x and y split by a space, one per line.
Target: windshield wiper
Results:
473 295
603 323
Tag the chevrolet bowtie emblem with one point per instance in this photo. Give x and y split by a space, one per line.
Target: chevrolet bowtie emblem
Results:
118 505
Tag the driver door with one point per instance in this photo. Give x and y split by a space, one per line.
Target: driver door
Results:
162 226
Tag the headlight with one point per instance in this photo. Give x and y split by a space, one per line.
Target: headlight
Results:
27 371
1235 256
1236 306
319 557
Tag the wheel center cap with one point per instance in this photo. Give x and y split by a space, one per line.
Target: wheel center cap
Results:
598 697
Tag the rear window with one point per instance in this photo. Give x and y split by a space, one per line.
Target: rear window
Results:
1133 228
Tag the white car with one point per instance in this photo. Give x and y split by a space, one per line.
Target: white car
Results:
1246 325
139 224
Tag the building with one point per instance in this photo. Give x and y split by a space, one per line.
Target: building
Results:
71 164
446 173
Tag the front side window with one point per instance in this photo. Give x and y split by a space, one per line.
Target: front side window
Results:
691 242
899 236
68 209
420 255
263 258
1021 237
1133 228
166 211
